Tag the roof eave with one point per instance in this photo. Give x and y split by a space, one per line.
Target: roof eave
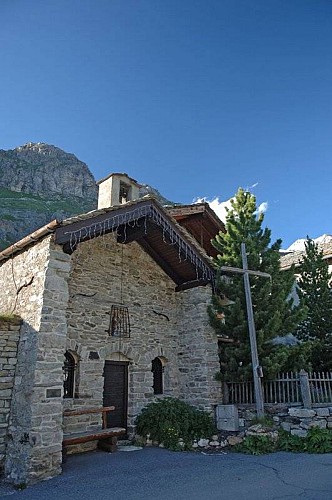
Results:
30 239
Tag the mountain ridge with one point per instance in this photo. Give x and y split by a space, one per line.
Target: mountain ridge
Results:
19 166
40 182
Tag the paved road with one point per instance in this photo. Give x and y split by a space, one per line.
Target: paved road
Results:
155 473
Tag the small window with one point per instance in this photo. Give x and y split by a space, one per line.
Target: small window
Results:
157 370
69 368
125 191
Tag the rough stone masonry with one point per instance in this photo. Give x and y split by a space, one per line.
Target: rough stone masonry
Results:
64 302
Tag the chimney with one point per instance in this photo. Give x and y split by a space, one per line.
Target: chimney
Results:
117 189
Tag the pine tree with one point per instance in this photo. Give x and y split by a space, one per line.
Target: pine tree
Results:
274 313
316 295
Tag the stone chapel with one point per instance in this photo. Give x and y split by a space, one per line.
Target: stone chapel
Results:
113 306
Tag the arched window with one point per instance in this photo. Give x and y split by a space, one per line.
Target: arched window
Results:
157 370
69 368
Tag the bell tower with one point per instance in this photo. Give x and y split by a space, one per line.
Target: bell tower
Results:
117 189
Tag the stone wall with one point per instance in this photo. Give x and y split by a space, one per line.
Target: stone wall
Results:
64 302
35 287
295 420
171 326
198 352
9 337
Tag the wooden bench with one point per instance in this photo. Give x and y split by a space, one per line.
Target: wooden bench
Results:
111 433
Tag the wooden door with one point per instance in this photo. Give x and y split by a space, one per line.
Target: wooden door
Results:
116 392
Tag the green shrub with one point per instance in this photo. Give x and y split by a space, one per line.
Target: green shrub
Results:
219 377
288 442
169 419
319 440
256 445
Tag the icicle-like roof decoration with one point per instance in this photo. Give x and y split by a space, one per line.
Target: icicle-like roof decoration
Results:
144 221
134 215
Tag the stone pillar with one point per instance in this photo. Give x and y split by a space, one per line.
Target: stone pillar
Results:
47 398
35 431
198 350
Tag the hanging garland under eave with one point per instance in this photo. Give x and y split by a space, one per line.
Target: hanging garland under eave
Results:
138 217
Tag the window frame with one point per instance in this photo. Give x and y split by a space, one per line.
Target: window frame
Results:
157 369
69 375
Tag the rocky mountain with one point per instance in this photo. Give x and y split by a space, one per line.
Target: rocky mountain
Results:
39 183
145 189
46 171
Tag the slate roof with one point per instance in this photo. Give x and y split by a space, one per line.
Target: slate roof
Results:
168 243
295 257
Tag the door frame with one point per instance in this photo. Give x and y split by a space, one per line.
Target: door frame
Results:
125 393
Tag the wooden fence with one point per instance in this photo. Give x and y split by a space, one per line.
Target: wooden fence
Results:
288 388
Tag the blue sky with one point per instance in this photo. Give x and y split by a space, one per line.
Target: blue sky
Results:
195 97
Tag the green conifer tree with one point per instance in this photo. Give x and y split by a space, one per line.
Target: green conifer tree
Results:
274 313
316 295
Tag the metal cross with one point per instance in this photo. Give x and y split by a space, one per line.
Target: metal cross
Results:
256 368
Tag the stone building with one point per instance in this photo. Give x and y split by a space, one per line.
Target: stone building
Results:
294 257
114 312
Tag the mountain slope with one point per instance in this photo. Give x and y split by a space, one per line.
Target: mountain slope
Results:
38 183
44 170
